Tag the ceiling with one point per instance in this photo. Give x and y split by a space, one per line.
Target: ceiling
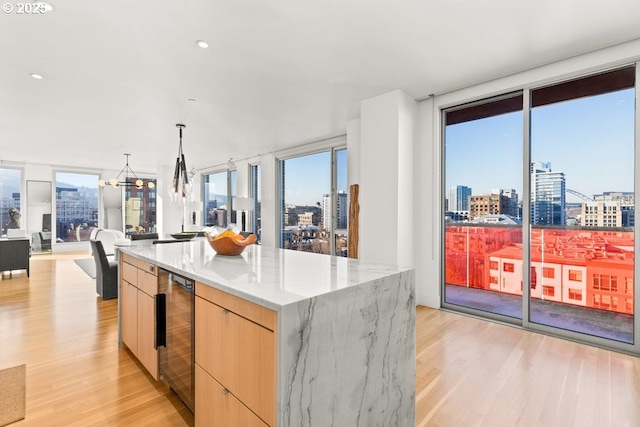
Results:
118 74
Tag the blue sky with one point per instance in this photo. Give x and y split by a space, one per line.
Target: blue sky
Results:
307 178
79 180
590 139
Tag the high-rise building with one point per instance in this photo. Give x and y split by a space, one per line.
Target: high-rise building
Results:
602 214
510 202
326 211
341 211
626 198
547 195
607 213
498 202
485 204
459 198
73 205
305 218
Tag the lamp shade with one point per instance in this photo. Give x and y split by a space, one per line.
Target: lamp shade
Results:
243 203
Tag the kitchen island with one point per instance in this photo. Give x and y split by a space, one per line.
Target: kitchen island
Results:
291 338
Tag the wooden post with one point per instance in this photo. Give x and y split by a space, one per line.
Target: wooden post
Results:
354 212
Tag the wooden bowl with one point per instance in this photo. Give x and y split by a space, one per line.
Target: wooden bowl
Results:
230 243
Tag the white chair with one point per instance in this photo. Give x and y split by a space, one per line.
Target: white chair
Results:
108 239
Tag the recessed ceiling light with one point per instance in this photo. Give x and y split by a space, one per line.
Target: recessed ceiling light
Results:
37 76
203 44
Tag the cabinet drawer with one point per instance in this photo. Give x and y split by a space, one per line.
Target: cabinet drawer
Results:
217 407
147 266
147 282
254 312
129 273
239 354
129 259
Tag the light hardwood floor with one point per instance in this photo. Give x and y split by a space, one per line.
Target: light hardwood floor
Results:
57 325
469 372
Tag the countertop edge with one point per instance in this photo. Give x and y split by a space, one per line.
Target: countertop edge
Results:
247 294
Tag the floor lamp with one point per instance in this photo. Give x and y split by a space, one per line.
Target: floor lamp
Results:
243 204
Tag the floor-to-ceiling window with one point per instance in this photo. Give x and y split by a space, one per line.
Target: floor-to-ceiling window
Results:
483 211
219 189
314 206
10 184
583 204
76 206
558 257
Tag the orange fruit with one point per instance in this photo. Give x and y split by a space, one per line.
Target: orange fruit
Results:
226 233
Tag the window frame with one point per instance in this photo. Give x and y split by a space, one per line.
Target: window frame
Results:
22 202
482 93
229 193
332 146
54 207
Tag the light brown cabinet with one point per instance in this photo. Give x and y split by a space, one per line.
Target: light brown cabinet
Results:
129 309
235 360
138 287
222 408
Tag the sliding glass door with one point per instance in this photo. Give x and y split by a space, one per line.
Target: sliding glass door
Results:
483 213
539 220
583 204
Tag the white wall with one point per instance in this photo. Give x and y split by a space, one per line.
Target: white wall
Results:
169 213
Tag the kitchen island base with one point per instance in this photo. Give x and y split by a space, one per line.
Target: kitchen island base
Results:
297 339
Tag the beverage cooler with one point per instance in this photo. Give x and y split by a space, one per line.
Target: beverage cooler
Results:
175 333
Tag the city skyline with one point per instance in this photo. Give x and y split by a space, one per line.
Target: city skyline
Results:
576 137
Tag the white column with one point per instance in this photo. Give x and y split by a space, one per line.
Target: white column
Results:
428 205
387 179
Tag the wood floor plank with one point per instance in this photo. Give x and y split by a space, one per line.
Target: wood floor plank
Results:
57 325
471 372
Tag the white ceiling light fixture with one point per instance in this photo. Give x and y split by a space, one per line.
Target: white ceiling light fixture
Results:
138 183
202 44
37 76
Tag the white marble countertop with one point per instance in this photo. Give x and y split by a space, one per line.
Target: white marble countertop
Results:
270 277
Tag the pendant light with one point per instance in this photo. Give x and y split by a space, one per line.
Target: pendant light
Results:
180 187
138 183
